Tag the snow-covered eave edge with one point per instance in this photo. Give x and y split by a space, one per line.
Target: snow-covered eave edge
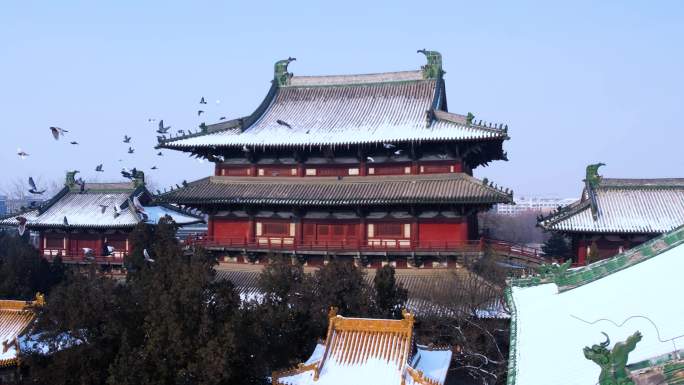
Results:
573 278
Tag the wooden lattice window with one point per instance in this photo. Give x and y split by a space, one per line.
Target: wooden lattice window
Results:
276 229
389 230
54 242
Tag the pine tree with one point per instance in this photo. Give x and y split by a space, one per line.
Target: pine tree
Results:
556 246
390 297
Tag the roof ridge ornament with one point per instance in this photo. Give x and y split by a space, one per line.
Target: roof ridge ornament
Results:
592 177
281 77
613 362
71 178
433 68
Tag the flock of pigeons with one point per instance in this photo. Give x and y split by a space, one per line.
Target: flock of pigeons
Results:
58 132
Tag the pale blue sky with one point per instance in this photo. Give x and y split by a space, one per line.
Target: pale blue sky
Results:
576 83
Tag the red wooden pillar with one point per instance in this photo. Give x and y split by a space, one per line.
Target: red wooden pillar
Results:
300 170
414 233
253 170
217 170
67 243
581 252
299 231
99 244
362 231
41 245
415 168
250 229
210 227
363 170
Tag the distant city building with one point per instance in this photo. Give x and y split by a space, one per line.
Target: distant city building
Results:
17 205
532 204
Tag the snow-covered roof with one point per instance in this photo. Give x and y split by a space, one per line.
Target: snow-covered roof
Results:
345 109
430 291
369 351
348 191
648 206
554 316
15 317
94 207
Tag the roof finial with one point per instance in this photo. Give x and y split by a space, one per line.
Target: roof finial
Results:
469 118
593 178
433 68
281 76
71 178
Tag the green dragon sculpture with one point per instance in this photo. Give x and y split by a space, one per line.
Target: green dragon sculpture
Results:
613 362
433 68
281 76
593 178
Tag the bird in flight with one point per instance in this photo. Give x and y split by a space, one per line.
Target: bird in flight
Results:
129 174
22 154
99 168
74 142
442 156
127 139
283 123
162 129
398 152
153 168
104 208
117 211
202 101
34 189
147 256
160 154
199 112
57 132
245 148
222 118
368 158
65 221
131 150
388 145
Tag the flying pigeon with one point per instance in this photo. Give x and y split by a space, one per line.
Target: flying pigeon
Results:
88 252
388 145
147 256
138 206
131 150
185 183
99 168
151 119
65 222
160 154
398 152
56 132
222 118
181 132
81 183
34 189
129 174
199 112
104 208
442 156
245 148
127 139
283 123
368 158
153 168
202 101
162 129
117 211
22 225
21 153
74 142
107 250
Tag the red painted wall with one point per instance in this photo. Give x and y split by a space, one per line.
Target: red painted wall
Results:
229 228
391 168
77 241
435 232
